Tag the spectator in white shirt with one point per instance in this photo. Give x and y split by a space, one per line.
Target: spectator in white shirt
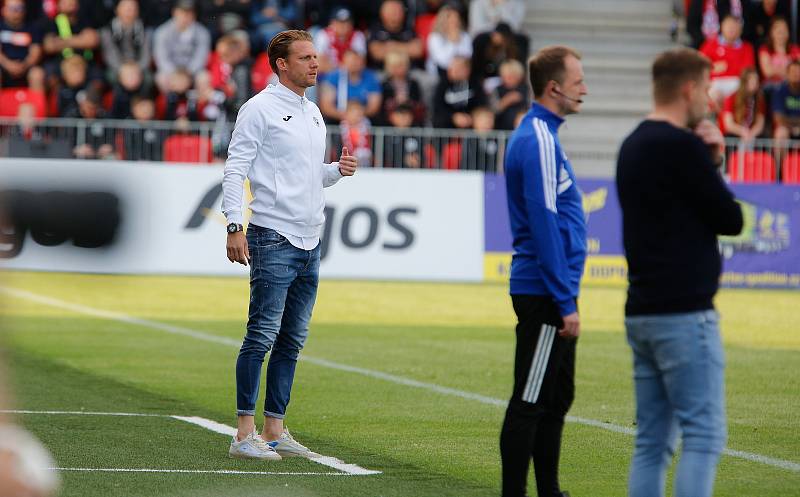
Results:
447 40
485 15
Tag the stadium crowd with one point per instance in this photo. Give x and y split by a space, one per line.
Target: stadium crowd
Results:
453 64
756 72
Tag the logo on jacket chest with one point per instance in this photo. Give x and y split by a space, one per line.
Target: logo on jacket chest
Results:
287 118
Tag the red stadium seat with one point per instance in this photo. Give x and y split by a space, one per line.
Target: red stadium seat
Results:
260 73
451 155
108 100
751 167
431 160
12 98
187 148
423 26
790 168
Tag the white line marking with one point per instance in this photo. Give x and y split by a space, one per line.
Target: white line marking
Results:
199 335
203 471
331 462
84 413
208 425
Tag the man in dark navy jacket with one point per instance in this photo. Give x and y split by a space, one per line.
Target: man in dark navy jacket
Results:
674 204
549 230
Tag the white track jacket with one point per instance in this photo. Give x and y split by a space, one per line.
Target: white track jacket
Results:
278 143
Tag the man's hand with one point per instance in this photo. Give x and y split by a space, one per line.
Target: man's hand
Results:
572 326
711 136
347 163
237 248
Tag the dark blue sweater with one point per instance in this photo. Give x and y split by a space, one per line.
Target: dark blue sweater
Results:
674 204
545 211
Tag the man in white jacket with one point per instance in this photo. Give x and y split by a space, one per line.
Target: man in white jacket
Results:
278 144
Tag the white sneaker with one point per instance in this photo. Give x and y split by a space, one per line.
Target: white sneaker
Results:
287 446
252 447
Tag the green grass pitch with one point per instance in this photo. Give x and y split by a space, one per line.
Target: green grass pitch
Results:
425 442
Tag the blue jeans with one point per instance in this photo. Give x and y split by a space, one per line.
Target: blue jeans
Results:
678 370
283 289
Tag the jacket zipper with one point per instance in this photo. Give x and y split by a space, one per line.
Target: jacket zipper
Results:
311 160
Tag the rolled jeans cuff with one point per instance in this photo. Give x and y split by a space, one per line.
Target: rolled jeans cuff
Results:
245 412
274 415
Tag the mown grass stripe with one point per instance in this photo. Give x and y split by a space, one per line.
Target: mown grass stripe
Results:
199 335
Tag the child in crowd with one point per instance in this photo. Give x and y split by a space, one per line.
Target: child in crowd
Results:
142 143
205 102
355 128
511 96
98 139
398 88
745 110
456 96
130 82
481 152
229 69
73 80
177 101
402 150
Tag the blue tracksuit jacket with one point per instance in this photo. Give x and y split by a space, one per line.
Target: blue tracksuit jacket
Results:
546 212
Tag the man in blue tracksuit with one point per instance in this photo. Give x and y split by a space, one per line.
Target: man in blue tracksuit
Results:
549 230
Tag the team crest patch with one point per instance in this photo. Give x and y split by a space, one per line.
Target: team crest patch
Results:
316 121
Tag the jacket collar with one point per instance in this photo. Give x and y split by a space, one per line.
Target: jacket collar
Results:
288 94
553 120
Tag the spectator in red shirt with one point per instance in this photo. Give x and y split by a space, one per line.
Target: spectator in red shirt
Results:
774 55
703 18
745 111
356 130
333 41
729 57
229 68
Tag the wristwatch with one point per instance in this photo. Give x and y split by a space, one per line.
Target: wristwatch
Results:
233 228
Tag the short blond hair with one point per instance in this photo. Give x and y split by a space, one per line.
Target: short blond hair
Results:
73 62
673 68
396 57
282 42
514 66
548 64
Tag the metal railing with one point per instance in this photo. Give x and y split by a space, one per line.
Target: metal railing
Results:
757 161
206 142
762 161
